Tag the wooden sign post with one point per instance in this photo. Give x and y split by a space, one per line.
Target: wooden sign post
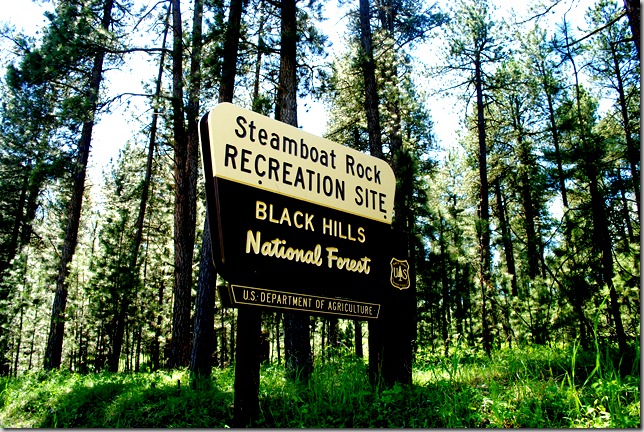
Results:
299 223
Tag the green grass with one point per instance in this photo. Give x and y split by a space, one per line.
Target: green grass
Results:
535 387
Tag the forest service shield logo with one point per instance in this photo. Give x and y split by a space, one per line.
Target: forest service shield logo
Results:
399 274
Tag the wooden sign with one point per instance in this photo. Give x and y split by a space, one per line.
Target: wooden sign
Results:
298 222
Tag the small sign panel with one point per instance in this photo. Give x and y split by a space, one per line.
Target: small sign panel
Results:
298 222
302 302
255 150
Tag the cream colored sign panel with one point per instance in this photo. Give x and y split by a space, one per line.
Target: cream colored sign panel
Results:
249 148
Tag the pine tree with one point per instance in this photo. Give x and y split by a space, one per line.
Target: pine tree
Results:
186 142
474 49
72 17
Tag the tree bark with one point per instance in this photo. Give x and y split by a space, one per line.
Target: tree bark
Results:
185 174
632 148
603 245
484 212
555 140
528 207
202 346
507 240
297 347
358 338
369 75
633 12
54 349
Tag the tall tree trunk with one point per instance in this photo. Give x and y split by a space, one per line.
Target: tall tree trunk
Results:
603 245
505 237
528 207
204 321
261 46
54 349
445 289
358 338
297 346
372 102
185 174
484 215
554 131
334 340
156 344
16 362
633 11
33 335
371 106
601 235
629 236
278 316
130 277
632 148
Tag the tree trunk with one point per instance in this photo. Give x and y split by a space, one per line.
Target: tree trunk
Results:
333 332
555 140
278 316
130 277
371 104
484 215
629 236
358 338
632 149
185 174
506 238
297 346
202 346
54 349
445 291
528 208
633 11
15 365
261 46
33 334
603 245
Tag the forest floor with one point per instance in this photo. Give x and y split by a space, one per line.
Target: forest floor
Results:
534 387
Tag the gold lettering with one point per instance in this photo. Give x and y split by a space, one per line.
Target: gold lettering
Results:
295 215
361 236
285 217
349 264
342 236
270 214
276 248
309 222
253 242
327 227
349 236
260 210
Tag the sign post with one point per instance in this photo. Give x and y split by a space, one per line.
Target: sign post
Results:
299 223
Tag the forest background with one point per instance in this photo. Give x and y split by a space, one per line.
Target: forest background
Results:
525 224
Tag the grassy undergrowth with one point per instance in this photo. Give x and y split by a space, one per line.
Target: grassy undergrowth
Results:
535 387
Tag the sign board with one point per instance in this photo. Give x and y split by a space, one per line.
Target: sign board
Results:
298 222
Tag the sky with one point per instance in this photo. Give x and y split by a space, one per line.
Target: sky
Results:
114 129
